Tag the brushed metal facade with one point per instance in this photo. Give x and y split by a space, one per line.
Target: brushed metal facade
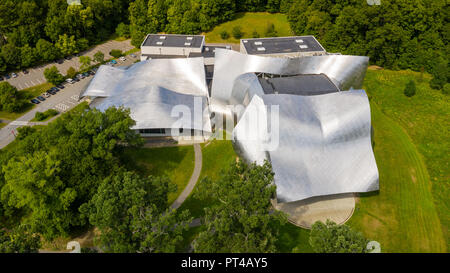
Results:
346 72
153 90
324 143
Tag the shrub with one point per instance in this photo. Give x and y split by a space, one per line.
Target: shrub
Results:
446 89
39 116
237 32
410 89
116 53
71 72
255 34
224 35
270 30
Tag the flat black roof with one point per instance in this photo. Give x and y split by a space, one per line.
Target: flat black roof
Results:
173 40
282 45
207 52
303 85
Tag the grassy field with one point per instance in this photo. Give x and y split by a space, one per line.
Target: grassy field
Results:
410 213
175 162
249 23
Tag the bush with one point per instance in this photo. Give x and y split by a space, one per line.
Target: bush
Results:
255 34
224 35
39 116
25 131
410 89
237 32
116 53
446 89
270 30
71 72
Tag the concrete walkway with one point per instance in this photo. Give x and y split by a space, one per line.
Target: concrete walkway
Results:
194 178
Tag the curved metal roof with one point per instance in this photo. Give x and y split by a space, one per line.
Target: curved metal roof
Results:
157 92
321 145
346 72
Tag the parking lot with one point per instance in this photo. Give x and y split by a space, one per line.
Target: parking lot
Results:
63 101
36 74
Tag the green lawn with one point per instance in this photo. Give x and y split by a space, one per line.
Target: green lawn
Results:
175 162
250 22
217 155
410 213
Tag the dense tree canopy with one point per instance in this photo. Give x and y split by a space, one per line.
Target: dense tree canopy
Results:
241 219
133 216
10 100
333 238
54 170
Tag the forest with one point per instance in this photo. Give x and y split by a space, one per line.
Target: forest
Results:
397 34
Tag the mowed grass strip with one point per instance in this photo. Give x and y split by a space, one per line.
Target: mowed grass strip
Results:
175 162
426 119
402 216
249 23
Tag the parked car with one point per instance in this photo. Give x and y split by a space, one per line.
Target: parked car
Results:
113 61
132 55
54 89
35 101
7 77
80 76
1 78
123 59
60 86
25 72
51 92
60 61
14 75
85 74
92 72
68 58
71 81
46 95
40 98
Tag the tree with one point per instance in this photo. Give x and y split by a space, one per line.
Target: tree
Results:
19 240
85 62
270 30
410 89
440 75
224 35
99 57
47 51
116 53
53 76
71 72
25 131
11 54
333 238
123 30
132 214
67 45
242 218
237 32
28 56
10 100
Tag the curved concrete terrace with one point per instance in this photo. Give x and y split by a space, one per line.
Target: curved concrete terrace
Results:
304 213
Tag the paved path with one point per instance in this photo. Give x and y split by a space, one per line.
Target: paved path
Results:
36 74
338 208
194 178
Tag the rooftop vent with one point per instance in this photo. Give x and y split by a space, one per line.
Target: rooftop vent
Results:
258 43
303 46
162 37
190 38
261 49
245 41
159 43
206 48
299 41
187 44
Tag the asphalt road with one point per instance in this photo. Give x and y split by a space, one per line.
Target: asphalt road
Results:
63 101
36 74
